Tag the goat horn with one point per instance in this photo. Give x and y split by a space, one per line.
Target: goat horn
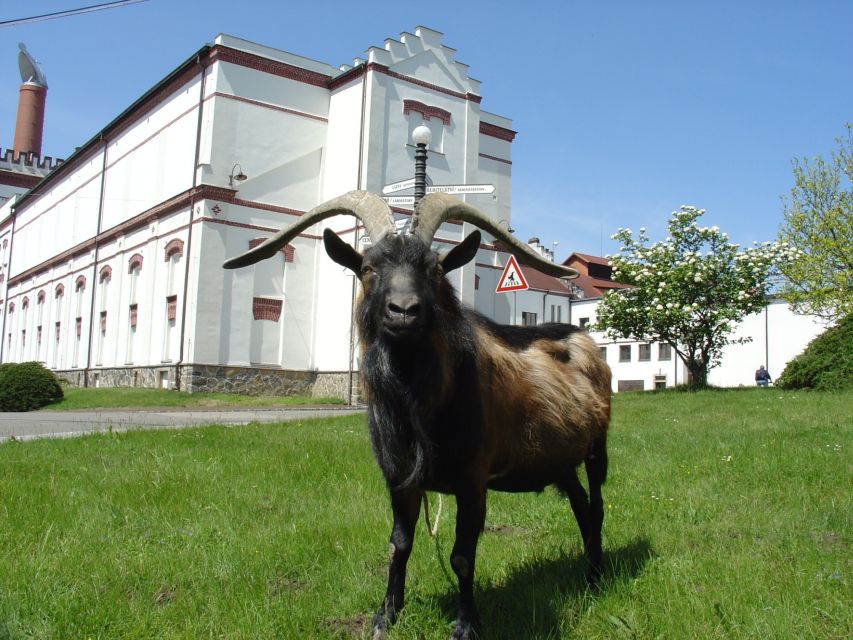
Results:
436 208
367 207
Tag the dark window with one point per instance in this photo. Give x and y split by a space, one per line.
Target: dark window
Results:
625 353
664 352
644 353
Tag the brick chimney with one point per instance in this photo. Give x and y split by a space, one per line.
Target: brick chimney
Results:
32 96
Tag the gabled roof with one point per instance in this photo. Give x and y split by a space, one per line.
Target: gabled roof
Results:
588 259
543 282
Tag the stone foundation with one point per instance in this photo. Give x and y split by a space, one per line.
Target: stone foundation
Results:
253 381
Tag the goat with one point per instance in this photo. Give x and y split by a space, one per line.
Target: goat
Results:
457 403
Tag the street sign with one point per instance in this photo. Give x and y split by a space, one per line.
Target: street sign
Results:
512 279
399 200
461 189
398 186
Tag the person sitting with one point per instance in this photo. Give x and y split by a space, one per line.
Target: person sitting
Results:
762 376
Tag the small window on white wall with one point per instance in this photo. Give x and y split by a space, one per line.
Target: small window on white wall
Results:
436 118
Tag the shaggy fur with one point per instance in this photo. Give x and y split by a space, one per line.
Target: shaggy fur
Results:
459 404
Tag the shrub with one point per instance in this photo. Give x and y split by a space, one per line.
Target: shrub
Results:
827 362
26 386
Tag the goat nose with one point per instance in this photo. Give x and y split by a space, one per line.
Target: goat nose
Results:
407 308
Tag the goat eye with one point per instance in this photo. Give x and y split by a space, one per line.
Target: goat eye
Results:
367 270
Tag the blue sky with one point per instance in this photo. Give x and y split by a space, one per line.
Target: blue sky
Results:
624 109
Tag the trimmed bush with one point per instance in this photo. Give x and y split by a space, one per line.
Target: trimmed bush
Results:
26 386
826 364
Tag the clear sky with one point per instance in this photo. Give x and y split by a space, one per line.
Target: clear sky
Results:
624 109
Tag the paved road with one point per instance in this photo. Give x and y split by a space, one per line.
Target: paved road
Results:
57 424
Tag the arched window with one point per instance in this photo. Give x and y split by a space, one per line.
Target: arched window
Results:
135 262
106 273
287 250
174 246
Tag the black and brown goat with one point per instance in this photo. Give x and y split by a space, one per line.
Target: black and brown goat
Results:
457 403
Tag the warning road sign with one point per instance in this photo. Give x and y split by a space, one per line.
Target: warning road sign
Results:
512 279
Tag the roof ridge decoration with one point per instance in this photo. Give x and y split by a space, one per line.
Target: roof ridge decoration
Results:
413 50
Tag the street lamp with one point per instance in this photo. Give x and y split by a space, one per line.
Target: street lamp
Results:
421 136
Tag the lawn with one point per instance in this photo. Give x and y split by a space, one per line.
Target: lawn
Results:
90 398
728 516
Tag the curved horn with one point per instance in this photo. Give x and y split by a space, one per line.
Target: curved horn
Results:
436 208
367 207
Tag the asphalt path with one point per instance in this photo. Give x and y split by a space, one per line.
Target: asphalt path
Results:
58 424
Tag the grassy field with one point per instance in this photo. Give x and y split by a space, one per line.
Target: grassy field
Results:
79 398
728 516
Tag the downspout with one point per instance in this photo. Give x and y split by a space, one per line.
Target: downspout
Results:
95 263
180 361
359 178
767 337
544 305
6 297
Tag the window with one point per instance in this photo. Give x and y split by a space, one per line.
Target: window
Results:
644 352
660 382
436 118
527 318
625 353
556 313
664 352
584 324
131 334
603 351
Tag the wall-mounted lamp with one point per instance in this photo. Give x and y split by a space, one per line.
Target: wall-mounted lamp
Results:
504 221
239 176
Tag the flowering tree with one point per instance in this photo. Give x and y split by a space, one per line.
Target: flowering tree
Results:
688 290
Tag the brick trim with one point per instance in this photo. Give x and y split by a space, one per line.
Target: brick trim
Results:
133 315
80 283
175 245
59 291
426 111
106 273
135 261
40 297
495 131
266 309
496 159
171 307
220 53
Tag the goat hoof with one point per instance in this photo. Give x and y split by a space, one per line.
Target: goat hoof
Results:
465 631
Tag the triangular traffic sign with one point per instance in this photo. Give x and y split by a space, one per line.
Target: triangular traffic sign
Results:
512 279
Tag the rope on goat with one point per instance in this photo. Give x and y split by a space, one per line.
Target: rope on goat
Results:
432 530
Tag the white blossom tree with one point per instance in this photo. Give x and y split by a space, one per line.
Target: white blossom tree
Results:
687 290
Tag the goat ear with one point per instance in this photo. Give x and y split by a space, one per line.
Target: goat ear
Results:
341 252
462 253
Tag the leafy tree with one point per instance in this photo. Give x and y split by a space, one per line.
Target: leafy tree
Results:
687 290
819 222
827 362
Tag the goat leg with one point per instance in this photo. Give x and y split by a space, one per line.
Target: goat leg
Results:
405 506
470 518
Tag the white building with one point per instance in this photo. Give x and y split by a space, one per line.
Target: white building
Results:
112 267
110 271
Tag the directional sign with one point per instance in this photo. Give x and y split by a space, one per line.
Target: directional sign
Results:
398 186
512 279
399 200
461 188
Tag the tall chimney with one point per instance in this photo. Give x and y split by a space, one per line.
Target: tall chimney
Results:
32 96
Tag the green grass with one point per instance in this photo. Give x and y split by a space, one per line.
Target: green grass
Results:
728 516
80 398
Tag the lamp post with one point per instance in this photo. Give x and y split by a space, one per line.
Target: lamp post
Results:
421 136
